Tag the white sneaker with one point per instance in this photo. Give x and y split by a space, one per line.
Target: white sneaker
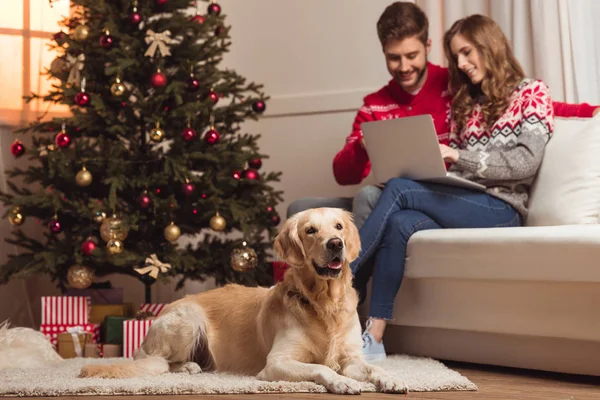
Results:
372 349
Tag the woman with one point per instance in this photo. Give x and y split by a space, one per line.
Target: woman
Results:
501 122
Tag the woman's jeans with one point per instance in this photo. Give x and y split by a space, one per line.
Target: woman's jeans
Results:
406 207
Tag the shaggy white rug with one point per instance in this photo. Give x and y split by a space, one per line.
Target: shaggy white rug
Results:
420 374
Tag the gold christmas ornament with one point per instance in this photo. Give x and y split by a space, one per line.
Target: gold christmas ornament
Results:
99 216
81 32
218 223
15 217
244 258
172 232
157 134
80 276
114 227
117 88
60 67
83 177
114 246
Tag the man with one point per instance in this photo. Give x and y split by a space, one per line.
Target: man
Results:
417 87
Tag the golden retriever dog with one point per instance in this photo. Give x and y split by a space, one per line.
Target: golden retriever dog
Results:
305 328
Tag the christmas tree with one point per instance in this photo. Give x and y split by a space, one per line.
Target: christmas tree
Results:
152 150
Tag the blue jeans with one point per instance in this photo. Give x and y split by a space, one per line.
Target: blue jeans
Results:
406 207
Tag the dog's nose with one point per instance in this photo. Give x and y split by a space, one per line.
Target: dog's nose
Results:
335 244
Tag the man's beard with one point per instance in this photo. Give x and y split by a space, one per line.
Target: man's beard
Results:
421 73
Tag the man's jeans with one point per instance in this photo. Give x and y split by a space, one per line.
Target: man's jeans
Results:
406 207
360 206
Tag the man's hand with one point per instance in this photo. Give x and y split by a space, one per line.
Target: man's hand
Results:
596 111
448 153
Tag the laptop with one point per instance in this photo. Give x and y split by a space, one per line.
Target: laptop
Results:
408 148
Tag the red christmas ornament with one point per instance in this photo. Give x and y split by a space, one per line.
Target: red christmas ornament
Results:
275 220
62 140
237 174
188 134
158 79
193 84
135 17
259 106
88 247
59 37
144 200
269 209
203 195
198 19
251 174
161 2
218 30
106 41
55 226
82 99
214 9
17 149
188 188
214 97
255 163
212 136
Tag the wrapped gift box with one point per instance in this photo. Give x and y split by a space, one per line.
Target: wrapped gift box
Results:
68 310
102 350
113 329
279 268
99 296
53 330
134 333
99 312
155 309
71 345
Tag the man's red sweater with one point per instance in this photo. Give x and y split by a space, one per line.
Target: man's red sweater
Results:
351 165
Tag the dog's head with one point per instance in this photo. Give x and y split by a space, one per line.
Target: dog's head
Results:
324 240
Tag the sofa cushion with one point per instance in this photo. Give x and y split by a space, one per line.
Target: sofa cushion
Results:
531 253
567 188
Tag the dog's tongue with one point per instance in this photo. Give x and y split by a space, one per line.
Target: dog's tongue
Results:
335 264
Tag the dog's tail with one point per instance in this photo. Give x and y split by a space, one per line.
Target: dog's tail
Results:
178 336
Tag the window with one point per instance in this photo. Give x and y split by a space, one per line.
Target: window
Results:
26 27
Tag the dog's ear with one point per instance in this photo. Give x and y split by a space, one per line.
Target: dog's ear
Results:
288 244
351 239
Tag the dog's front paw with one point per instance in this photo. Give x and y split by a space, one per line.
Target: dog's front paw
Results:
343 385
389 384
187 368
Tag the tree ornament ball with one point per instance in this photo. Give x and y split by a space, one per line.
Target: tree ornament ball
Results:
214 9
275 220
55 226
113 228
117 88
188 188
161 2
81 32
15 217
243 259
251 174
214 97
188 134
114 246
193 84
157 134
144 200
80 276
83 178
135 17
99 216
237 174
106 41
212 136
17 149
62 140
259 106
218 223
198 18
87 247
158 79
255 163
172 232
82 99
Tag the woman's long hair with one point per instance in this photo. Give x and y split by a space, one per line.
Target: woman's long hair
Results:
502 70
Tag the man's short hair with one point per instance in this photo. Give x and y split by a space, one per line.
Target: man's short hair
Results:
401 20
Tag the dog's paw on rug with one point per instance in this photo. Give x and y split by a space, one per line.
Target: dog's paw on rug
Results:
420 374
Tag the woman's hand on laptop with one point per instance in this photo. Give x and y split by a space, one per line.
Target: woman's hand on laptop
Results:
448 153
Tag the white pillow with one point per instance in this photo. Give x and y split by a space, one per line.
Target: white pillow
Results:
567 188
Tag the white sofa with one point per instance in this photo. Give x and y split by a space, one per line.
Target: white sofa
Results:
524 297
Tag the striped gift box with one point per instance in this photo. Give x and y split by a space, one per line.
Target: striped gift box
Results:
134 332
155 309
65 310
51 331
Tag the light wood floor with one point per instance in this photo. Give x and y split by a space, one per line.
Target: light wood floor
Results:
493 383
